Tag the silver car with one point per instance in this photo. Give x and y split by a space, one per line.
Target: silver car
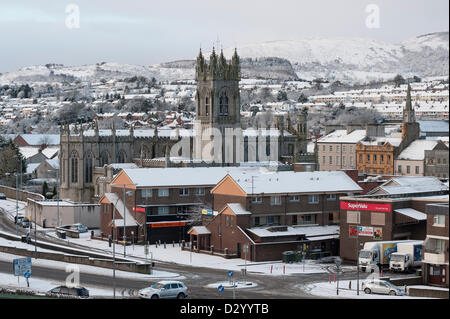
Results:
384 287
165 289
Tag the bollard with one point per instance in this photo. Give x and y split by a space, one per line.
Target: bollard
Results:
164 245
271 267
183 243
350 285
406 290
173 244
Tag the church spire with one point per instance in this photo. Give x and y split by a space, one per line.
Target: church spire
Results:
408 112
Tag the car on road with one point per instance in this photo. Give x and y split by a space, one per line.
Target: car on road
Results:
165 289
2 196
18 219
79 227
384 287
26 223
64 291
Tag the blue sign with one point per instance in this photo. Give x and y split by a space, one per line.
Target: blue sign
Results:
27 275
220 288
230 273
22 266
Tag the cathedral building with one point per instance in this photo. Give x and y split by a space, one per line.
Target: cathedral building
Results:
217 139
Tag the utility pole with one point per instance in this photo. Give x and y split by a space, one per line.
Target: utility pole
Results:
357 250
124 222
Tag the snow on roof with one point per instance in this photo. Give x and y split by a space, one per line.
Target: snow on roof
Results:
28 151
341 136
238 209
182 176
118 204
295 182
410 212
31 167
53 163
50 151
200 230
394 141
38 139
411 184
416 150
308 231
123 165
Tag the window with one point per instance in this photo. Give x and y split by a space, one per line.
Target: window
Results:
88 168
226 220
231 221
207 105
294 219
360 158
368 159
343 160
389 159
163 192
294 198
163 210
439 220
337 160
378 219
351 160
270 220
74 167
331 148
399 169
257 199
199 191
331 196
323 159
352 217
146 193
256 221
408 169
375 159
323 148
417 169
223 104
313 199
337 149
184 191
343 148
381 159
331 160
275 200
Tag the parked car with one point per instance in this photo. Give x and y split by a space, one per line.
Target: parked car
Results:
26 223
2 196
80 228
64 291
382 287
18 219
165 289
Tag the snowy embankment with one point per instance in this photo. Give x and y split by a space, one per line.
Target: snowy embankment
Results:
327 289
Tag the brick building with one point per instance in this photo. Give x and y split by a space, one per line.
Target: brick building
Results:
435 261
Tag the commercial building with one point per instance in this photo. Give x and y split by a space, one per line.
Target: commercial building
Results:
392 211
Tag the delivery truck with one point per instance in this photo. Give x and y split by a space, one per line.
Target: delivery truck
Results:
377 253
408 257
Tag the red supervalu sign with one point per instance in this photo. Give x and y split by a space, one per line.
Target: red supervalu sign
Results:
139 209
373 207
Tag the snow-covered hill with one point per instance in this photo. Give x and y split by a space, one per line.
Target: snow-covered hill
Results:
346 59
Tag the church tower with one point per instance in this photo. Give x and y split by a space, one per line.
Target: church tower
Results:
410 128
218 98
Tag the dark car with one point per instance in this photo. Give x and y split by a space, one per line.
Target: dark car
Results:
2 196
64 291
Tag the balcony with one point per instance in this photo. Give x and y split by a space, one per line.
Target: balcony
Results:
437 258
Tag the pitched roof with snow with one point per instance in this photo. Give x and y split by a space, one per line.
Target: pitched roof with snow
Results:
308 231
411 184
416 150
341 136
295 182
238 209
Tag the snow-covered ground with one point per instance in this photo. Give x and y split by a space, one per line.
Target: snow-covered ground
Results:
9 206
327 289
9 281
229 285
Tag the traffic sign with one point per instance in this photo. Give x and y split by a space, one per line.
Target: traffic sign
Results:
220 288
230 273
22 266
27 275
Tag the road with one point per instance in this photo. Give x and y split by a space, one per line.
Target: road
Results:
196 277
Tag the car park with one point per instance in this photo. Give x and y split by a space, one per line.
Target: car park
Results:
384 287
165 290
64 291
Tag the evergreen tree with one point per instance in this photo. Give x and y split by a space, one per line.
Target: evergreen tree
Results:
44 189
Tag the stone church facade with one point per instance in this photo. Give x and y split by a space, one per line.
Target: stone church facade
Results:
218 110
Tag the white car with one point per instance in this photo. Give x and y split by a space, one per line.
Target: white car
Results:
381 287
165 289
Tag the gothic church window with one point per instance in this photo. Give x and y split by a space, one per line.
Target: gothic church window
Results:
223 104
74 167
88 168
121 157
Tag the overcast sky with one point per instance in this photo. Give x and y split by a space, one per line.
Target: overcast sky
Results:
152 31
